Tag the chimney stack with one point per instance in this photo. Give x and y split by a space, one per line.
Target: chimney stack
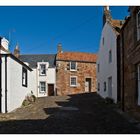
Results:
107 15
17 51
5 43
59 48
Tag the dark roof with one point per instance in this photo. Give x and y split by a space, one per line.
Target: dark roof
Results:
16 59
32 59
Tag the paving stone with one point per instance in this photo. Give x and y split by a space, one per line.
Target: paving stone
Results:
73 114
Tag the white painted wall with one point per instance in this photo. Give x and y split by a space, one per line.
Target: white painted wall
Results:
33 81
107 69
49 78
15 91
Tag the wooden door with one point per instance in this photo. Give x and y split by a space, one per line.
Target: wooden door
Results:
88 85
50 89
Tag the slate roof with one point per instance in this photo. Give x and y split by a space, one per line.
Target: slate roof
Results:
32 59
77 56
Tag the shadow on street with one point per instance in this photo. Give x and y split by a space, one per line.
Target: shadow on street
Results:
79 114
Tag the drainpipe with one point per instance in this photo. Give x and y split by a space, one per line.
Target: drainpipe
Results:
123 108
0 84
5 84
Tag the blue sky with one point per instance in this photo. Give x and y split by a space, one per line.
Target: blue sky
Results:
39 29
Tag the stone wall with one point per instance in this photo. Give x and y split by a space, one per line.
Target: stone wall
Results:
130 57
63 73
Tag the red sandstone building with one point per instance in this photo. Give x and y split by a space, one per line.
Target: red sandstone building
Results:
129 44
75 72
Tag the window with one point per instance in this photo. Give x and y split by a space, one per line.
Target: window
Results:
103 40
139 72
98 86
73 81
73 66
24 77
98 67
42 69
110 56
42 87
104 86
138 25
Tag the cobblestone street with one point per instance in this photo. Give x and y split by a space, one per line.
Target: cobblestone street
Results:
77 114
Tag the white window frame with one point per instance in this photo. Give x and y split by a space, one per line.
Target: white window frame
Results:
70 81
24 77
138 27
75 66
40 87
41 69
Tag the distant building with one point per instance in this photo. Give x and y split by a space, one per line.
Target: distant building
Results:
15 79
75 72
107 69
44 73
129 44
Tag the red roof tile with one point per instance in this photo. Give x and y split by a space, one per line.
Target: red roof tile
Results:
77 56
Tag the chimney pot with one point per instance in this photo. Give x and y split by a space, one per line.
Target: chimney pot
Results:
59 48
17 51
5 43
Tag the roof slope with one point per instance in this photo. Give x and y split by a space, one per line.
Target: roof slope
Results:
117 25
32 59
77 56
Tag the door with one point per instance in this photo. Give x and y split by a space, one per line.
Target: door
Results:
50 89
88 85
138 84
110 87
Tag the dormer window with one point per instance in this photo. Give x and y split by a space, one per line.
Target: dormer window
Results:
42 69
73 66
138 25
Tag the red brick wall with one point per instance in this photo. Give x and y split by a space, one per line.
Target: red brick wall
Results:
84 70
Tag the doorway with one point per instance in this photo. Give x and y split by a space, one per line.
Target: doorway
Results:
110 87
88 85
50 89
138 84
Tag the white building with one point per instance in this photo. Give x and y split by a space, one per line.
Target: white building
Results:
21 75
44 73
107 79
14 79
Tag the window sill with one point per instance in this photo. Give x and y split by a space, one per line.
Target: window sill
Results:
24 85
42 92
73 70
42 74
73 85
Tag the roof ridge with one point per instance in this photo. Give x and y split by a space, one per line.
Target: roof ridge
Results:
37 54
81 52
